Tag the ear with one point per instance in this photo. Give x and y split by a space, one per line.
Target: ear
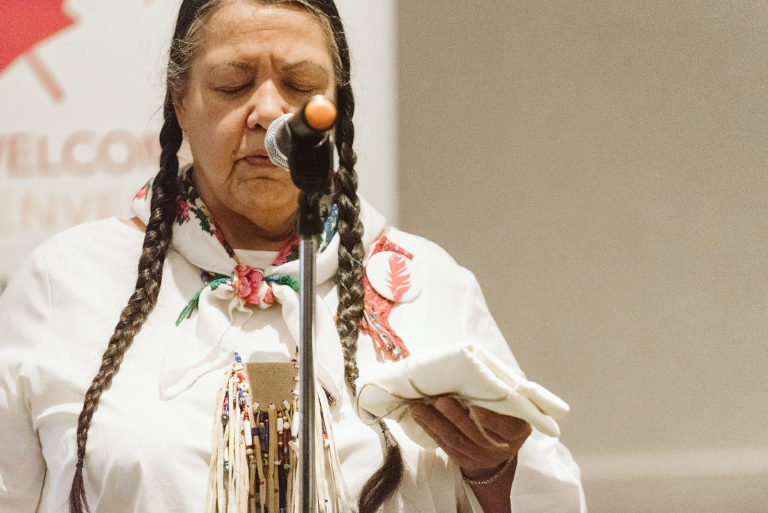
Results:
178 105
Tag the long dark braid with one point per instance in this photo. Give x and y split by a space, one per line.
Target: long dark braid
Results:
150 274
349 276
350 311
351 251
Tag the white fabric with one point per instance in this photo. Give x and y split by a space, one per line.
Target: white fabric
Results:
465 371
206 341
150 454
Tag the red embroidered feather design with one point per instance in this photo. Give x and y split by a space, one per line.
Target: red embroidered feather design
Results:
399 280
375 321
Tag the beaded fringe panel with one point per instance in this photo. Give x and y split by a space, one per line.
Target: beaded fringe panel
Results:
254 452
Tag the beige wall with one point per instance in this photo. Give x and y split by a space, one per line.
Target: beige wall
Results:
601 167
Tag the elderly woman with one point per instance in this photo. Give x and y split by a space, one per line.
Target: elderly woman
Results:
129 427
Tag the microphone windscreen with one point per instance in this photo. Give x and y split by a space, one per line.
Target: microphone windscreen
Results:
276 141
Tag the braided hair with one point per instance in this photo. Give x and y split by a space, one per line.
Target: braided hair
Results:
150 275
191 17
383 483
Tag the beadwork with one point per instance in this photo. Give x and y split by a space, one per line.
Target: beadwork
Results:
253 458
375 321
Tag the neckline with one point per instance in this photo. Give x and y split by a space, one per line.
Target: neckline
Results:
258 258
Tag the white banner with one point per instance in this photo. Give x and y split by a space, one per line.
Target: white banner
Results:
81 89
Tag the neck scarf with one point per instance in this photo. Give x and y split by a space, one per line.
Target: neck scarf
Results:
210 325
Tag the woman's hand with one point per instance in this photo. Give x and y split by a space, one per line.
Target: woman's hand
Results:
450 425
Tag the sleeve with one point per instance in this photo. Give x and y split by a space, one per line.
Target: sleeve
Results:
547 479
24 309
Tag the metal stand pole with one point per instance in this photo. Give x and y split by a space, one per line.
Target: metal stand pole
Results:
310 159
307 492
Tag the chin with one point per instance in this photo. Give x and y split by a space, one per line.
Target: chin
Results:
262 204
280 189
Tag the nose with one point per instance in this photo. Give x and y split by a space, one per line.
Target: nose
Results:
265 105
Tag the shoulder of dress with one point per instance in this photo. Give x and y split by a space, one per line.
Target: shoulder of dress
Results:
438 268
95 242
109 232
421 248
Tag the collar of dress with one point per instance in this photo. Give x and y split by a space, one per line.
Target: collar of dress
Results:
210 326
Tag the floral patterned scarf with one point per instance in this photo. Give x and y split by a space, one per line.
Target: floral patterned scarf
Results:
248 283
232 286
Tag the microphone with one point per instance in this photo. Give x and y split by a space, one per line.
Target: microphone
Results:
307 128
277 140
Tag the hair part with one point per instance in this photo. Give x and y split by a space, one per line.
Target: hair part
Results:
185 43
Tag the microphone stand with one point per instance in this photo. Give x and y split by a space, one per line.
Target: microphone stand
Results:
308 207
310 161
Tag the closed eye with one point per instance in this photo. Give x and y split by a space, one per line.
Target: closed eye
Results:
301 88
232 90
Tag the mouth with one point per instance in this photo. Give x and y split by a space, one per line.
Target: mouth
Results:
258 159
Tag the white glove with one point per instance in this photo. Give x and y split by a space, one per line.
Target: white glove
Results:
465 371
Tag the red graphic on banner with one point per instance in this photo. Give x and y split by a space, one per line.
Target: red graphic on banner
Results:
24 24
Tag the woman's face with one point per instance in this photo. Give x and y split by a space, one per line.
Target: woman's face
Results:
255 62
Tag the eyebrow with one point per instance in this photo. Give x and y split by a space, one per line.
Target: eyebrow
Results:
295 67
305 65
239 65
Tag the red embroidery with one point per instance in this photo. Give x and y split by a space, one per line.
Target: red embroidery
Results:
269 297
399 278
247 281
287 249
375 320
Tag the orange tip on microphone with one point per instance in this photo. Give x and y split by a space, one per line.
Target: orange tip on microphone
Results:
320 113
